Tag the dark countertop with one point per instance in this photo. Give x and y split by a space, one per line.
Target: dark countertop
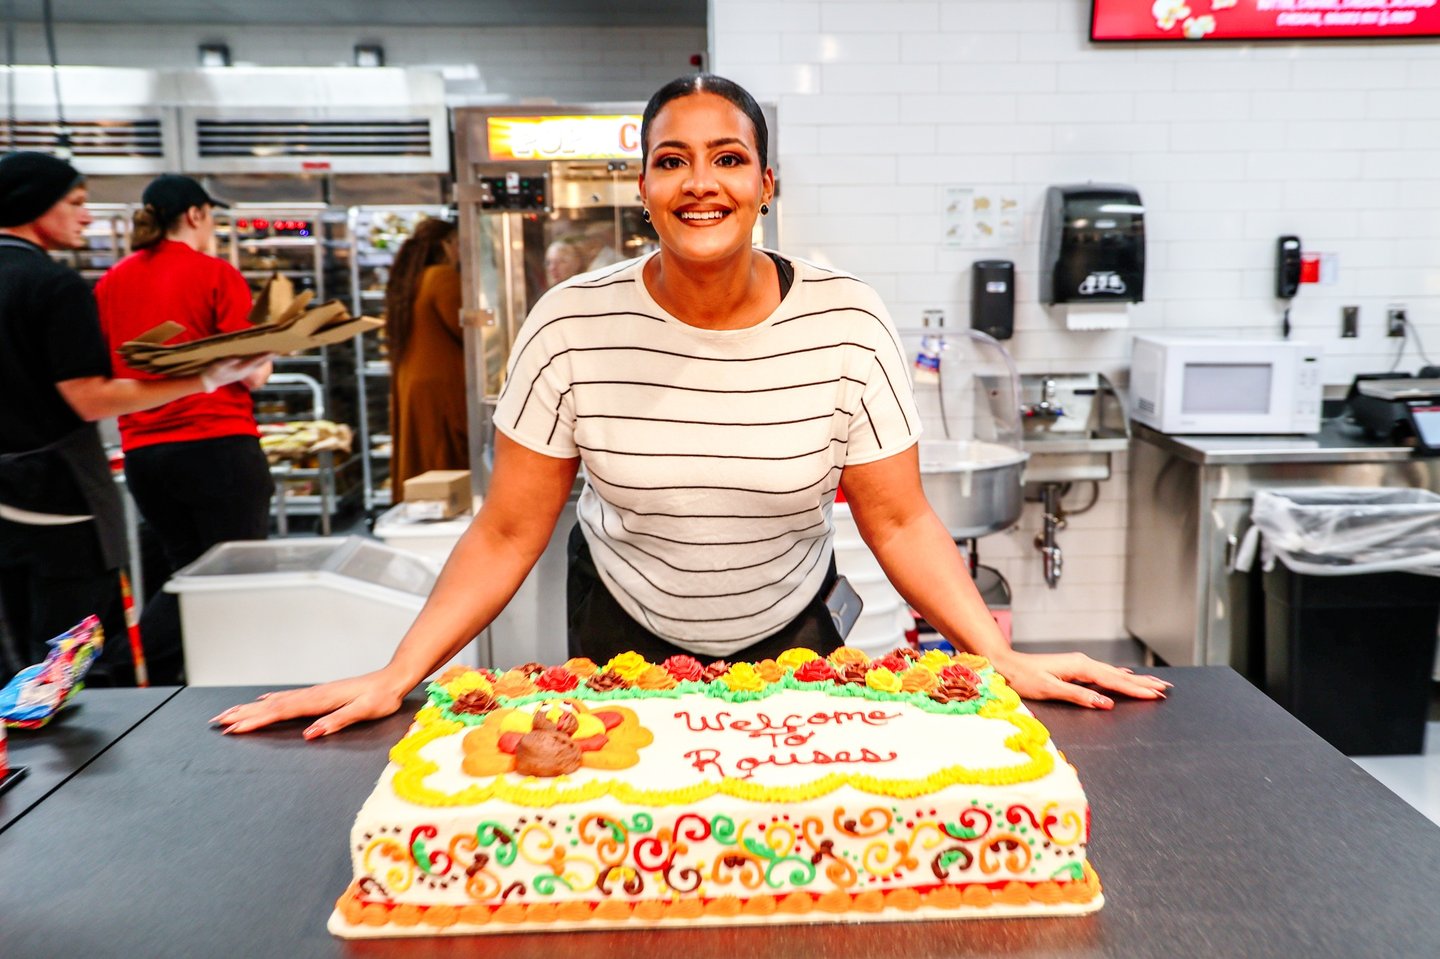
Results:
1222 828
91 724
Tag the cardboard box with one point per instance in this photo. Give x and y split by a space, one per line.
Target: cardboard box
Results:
437 494
287 328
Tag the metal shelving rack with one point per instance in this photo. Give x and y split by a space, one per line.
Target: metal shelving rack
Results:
375 234
293 240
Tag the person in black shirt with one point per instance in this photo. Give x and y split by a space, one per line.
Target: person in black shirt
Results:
61 533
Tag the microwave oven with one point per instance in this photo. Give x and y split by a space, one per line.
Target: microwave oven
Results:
1211 385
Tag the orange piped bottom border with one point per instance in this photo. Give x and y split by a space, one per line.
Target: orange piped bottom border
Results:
354 917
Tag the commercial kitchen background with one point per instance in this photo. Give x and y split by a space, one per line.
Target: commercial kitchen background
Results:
883 105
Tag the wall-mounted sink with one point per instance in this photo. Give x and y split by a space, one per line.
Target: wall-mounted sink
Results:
1073 423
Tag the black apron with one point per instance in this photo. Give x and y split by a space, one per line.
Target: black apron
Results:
70 476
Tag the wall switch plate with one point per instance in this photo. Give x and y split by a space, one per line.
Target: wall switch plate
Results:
1395 321
1349 321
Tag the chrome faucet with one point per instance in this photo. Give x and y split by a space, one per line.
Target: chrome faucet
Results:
1047 408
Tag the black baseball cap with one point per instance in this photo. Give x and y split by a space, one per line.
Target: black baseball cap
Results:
172 194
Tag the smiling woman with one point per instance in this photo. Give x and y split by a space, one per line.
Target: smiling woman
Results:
718 395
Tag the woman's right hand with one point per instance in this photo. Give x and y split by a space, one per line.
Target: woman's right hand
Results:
338 704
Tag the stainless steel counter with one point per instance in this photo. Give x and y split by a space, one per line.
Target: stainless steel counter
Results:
1189 504
1337 442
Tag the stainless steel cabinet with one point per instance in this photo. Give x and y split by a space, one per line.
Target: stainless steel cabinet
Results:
1189 504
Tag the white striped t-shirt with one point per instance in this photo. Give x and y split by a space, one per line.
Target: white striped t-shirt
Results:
711 457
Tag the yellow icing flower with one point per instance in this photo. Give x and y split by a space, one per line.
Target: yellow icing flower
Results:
934 660
513 684
796 657
628 665
770 670
582 667
743 677
655 677
849 656
883 680
468 682
918 679
976 663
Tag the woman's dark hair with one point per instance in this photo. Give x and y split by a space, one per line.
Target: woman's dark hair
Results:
148 229
424 248
706 83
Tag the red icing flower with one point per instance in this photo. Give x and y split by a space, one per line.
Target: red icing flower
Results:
957 672
556 679
684 668
894 662
815 671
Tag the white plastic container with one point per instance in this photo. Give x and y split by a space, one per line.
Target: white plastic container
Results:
432 539
880 629
298 610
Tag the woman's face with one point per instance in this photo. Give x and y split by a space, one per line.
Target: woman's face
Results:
703 184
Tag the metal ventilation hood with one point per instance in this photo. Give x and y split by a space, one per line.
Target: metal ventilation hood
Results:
334 120
232 120
119 121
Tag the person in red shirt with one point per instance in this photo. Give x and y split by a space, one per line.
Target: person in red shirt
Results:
194 466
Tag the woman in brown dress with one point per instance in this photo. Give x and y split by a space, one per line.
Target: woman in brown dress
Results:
427 356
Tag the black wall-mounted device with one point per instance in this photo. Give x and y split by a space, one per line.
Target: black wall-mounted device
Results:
992 297
1092 247
1287 267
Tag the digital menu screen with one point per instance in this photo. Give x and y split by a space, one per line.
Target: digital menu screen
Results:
1263 19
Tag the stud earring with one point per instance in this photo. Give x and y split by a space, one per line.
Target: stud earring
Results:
645 214
764 209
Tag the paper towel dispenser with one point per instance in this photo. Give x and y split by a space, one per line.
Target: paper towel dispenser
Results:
1093 245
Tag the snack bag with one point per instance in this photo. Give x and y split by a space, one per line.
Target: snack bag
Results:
37 693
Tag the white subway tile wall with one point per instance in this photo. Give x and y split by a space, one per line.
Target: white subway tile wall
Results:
1230 145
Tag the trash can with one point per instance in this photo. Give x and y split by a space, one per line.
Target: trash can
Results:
1351 611
298 610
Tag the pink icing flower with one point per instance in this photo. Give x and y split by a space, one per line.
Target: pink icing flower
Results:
684 668
815 671
557 679
893 662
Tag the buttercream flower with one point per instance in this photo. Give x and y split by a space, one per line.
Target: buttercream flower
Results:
557 679
628 665
684 668
770 670
795 657
715 670
962 673
655 677
976 663
513 684
883 680
849 656
918 679
935 660
743 677
468 682
475 702
816 670
582 667
452 673
892 662
605 680
531 668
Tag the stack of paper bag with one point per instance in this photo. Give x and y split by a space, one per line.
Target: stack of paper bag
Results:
278 329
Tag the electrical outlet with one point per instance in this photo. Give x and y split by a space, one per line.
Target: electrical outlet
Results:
1395 321
1349 321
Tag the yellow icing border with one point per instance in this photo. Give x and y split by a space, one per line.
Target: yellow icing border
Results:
409 782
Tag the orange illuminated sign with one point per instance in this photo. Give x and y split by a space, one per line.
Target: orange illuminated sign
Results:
582 137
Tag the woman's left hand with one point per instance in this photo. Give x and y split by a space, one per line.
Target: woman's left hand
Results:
1059 675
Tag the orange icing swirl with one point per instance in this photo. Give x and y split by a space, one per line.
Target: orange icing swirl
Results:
655 677
918 679
582 667
849 655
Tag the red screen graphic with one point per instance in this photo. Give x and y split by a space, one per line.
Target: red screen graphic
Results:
1262 19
